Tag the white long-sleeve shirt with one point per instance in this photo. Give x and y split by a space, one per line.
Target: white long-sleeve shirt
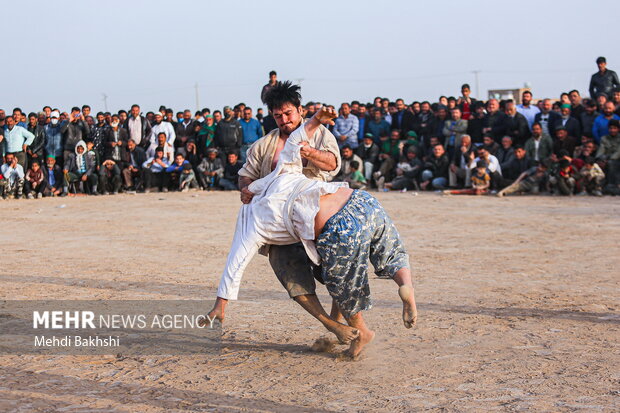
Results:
282 212
11 174
165 127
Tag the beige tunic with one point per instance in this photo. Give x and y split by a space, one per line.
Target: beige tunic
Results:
260 155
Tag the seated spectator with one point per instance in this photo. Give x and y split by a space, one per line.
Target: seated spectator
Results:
493 167
519 164
608 156
587 117
587 148
480 180
388 156
453 131
230 178
13 175
591 178
407 172
187 179
563 141
132 170
538 147
564 180
572 125
490 145
37 147
435 173
53 177
81 169
347 156
599 128
368 152
154 171
517 126
210 170
110 177
459 165
161 143
529 181
506 153
355 178
175 170
34 181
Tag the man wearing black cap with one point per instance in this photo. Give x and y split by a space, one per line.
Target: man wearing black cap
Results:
603 81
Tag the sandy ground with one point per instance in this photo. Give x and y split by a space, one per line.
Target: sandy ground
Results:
518 298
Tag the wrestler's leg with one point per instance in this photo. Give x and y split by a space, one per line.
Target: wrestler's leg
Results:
365 334
335 313
406 294
311 303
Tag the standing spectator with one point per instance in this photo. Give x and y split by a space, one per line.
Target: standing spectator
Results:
572 125
138 127
402 119
363 119
588 117
54 179
453 131
17 139
53 136
74 131
185 130
516 124
422 124
604 81
228 133
154 171
346 127
368 152
81 168
162 126
526 108
166 147
476 122
494 124
599 128
230 178
539 147
547 118
205 137
98 134
252 131
577 107
435 173
115 145
36 150
132 172
13 173
463 156
465 102
273 79
210 170
378 126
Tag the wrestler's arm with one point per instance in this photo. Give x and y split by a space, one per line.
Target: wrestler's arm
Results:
323 160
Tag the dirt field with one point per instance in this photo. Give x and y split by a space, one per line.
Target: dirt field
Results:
518 299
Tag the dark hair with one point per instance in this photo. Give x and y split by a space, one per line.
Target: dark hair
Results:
85 106
465 85
518 147
354 164
614 123
198 113
32 114
73 109
122 111
345 146
47 107
159 149
574 91
206 110
273 73
135 105
526 91
536 123
281 94
217 111
247 108
19 110
589 160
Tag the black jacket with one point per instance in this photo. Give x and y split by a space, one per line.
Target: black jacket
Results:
555 119
368 154
73 132
228 134
108 149
184 133
146 130
38 144
573 127
231 172
474 129
407 122
497 122
516 167
587 121
139 156
517 128
439 166
58 176
604 82
505 156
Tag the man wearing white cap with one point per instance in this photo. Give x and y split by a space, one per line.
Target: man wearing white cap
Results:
161 126
53 137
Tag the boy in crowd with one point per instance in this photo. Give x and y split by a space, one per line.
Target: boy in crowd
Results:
480 181
188 178
407 173
53 177
13 174
210 170
563 181
176 169
355 178
529 181
34 180
154 171
591 178
230 179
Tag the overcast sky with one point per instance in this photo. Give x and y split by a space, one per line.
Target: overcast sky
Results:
150 52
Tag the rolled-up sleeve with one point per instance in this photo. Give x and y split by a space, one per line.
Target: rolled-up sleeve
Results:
328 143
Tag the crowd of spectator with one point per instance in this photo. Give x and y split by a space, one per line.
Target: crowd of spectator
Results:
459 145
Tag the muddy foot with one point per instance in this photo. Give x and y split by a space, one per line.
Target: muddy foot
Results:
410 312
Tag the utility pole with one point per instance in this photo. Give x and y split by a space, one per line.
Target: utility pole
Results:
475 72
105 102
197 97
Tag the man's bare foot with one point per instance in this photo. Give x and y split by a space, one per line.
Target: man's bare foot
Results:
216 314
345 334
357 345
410 312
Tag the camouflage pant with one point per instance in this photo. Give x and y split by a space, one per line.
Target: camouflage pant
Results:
16 189
360 231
